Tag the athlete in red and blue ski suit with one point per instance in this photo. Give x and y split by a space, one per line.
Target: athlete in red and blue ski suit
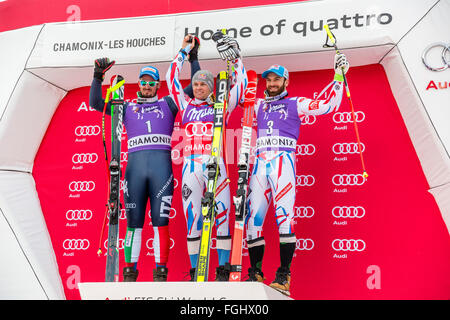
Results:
197 116
279 117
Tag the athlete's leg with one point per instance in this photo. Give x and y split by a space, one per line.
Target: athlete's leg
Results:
192 193
282 182
135 198
258 201
160 186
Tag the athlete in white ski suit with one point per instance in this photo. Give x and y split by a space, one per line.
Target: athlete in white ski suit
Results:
279 117
197 116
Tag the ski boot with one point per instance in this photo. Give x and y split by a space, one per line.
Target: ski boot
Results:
130 274
222 273
255 274
282 281
192 274
160 274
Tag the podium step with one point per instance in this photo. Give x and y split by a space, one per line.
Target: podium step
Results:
178 291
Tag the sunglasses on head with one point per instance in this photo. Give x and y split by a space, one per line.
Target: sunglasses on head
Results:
150 83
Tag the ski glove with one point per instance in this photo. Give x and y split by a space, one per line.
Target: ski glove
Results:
227 47
341 64
193 53
102 65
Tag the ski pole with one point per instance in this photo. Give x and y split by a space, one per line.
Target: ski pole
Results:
347 90
224 31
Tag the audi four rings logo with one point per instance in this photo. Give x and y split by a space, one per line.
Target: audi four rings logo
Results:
79 214
303 212
76 244
346 117
445 56
199 129
308 119
87 131
305 180
348 212
305 149
79 158
347 148
348 180
120 245
81 186
149 243
304 244
348 245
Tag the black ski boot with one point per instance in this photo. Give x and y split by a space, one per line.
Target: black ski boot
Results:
130 274
222 273
160 274
255 274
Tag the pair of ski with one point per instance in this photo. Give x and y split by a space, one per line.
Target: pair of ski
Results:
240 199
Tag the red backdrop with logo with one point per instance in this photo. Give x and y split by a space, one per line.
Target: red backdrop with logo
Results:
379 239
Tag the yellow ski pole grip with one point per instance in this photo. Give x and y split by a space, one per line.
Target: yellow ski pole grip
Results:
327 29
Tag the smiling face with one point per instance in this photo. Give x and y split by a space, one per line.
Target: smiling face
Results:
275 84
146 90
201 90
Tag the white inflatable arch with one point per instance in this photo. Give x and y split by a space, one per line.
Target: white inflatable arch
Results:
41 64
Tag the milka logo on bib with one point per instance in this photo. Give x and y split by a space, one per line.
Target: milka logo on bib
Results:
154 108
280 108
149 109
199 114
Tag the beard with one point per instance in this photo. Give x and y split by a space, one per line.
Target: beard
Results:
275 92
147 95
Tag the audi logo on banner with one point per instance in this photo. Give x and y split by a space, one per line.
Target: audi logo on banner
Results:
348 245
305 180
76 244
199 129
348 212
348 180
305 149
149 243
121 244
81 214
87 131
81 158
308 119
304 244
346 117
303 212
81 186
347 148
445 60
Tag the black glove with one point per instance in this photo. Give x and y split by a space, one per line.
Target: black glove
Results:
102 65
193 54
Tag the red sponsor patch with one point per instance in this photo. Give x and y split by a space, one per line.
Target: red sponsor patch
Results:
313 105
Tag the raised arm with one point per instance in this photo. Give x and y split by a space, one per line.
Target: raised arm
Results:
96 100
332 93
229 50
172 77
